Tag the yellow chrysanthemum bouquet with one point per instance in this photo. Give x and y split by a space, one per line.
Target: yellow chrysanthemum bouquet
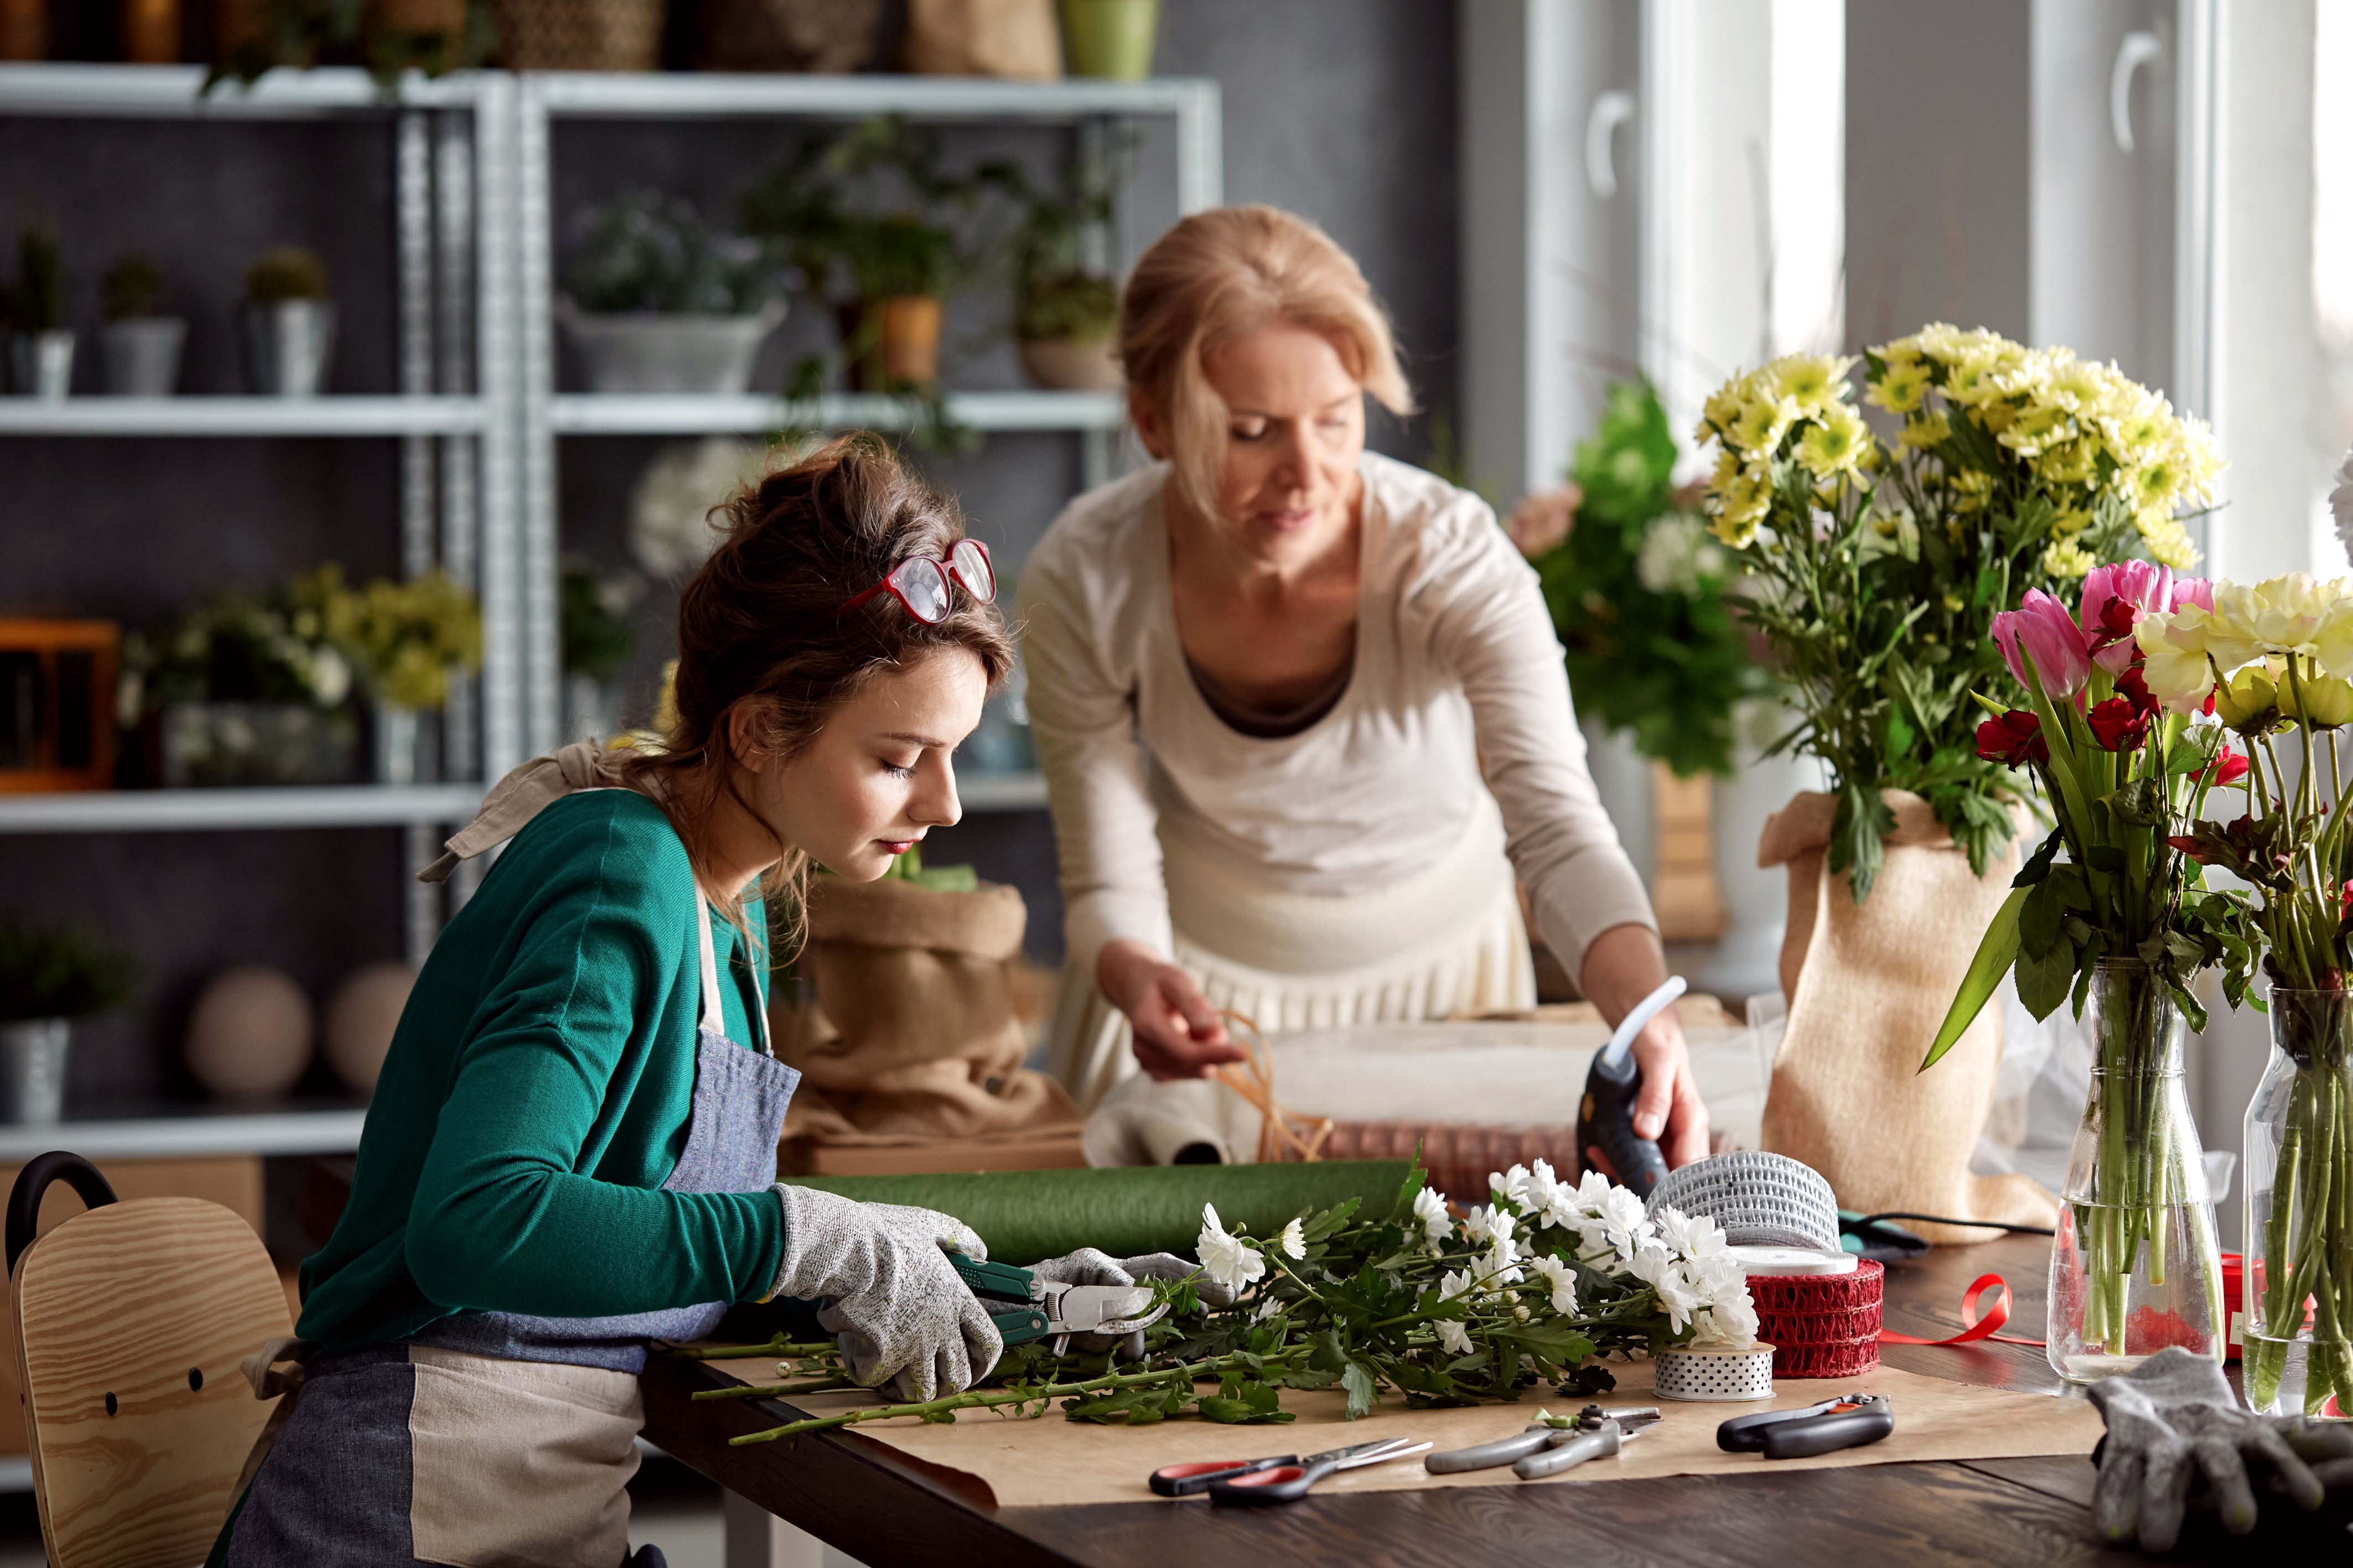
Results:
1877 567
407 638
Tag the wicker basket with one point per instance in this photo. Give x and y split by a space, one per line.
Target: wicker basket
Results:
581 34
1459 1158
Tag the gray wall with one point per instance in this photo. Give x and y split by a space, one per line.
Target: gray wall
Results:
1342 110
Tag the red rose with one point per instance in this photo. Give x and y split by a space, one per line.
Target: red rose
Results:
2014 739
2116 724
2133 686
2230 765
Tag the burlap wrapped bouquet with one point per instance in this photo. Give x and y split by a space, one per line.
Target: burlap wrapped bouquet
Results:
1868 985
907 1028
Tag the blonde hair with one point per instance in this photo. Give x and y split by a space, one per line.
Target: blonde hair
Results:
1219 275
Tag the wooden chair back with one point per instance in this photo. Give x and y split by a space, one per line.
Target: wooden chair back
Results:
130 1322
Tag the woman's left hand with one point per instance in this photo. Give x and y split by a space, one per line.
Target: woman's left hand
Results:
1623 965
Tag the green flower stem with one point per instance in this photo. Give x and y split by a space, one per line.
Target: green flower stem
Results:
778 1390
779 1347
975 1399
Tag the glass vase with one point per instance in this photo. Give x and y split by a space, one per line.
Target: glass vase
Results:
2298 1281
2134 1266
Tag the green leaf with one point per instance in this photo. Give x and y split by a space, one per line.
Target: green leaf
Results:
1995 955
2038 865
2041 921
1361 1389
2043 980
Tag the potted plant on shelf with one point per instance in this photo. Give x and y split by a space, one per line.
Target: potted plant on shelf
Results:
240 690
48 979
406 639
657 301
251 38
142 347
1065 314
1110 39
40 346
288 323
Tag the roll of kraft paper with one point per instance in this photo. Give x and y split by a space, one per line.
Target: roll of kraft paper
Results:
1025 1215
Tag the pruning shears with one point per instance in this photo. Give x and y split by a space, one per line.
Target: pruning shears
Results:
1024 1307
1844 1421
1548 1447
1278 1478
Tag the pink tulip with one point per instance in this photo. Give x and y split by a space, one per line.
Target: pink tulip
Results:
2061 655
2115 598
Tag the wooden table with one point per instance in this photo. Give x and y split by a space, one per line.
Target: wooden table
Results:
886 1510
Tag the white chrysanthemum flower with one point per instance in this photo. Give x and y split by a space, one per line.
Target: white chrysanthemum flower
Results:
1486 1222
1563 1280
1293 1241
1658 1268
1678 556
1452 1283
1622 1222
1266 1309
1499 1270
1729 1323
1431 1209
1453 1336
1563 1209
1225 1258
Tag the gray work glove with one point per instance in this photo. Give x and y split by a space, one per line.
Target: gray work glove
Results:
2173 1418
1090 1266
902 1313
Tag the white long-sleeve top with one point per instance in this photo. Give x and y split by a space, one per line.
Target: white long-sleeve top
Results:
1456 664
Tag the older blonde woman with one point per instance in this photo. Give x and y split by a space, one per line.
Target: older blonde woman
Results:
1299 707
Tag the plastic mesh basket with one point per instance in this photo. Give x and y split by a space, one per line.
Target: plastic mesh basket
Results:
1759 1199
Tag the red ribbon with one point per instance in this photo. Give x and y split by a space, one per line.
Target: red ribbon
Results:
1974 1327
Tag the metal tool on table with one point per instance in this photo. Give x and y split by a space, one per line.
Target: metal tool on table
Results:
1254 1483
1844 1421
1546 1449
1024 1307
1604 1116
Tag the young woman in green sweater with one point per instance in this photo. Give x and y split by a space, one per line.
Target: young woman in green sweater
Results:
572 1147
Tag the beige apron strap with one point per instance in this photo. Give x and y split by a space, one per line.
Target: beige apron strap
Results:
714 1016
278 1368
522 794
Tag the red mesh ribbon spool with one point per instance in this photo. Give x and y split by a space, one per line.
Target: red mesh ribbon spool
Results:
1820 1325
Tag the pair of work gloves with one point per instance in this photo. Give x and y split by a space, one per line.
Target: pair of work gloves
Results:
2173 1422
904 1316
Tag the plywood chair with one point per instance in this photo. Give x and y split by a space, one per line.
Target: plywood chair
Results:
131 1320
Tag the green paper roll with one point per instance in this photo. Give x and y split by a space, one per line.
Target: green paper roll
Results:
1025 1215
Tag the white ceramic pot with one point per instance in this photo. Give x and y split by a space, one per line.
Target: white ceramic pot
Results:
288 345
1073 364
40 364
142 355
33 1071
645 352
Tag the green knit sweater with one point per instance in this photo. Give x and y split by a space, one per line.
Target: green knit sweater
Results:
537 1095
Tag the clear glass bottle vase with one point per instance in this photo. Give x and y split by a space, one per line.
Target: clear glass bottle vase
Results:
2298 1281
2134 1266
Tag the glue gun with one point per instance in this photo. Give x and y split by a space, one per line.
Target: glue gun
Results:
1605 1117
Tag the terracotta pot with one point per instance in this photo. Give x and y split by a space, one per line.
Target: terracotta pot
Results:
151 31
905 345
24 29
1073 364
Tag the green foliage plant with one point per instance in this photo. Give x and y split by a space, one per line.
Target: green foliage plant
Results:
130 289
286 272
645 252
1639 594
51 972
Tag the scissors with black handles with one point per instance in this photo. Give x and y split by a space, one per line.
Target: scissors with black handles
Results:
1844 1421
1280 1477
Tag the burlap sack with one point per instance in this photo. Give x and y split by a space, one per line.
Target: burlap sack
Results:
1015 39
1868 986
909 1028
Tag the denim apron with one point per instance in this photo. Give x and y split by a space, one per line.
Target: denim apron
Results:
496 1439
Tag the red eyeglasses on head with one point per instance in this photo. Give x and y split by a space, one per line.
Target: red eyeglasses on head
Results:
920 581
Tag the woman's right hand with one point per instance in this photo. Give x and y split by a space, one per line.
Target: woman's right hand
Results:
1178 1034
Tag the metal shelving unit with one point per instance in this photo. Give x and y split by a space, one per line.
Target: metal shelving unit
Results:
452 415
610 414
256 417
1088 108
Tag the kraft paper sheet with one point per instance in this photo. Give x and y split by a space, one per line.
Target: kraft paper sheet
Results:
1051 1460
